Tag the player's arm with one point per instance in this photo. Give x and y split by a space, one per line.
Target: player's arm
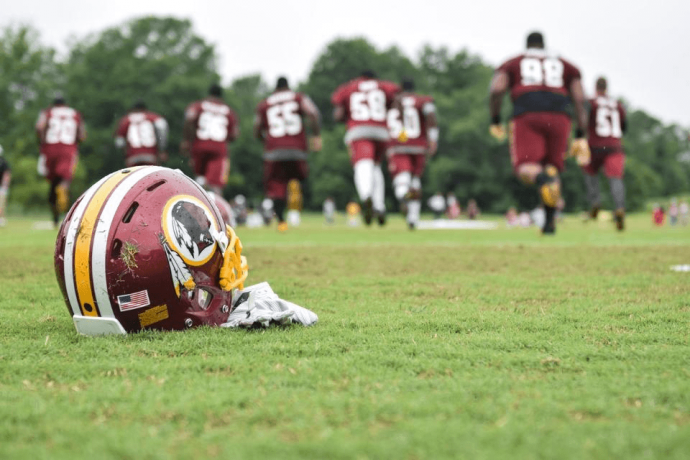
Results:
120 133
81 131
338 102
313 116
160 126
41 124
497 89
234 122
259 124
577 95
623 117
579 148
429 111
188 129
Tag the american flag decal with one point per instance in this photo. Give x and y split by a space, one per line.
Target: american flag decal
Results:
135 300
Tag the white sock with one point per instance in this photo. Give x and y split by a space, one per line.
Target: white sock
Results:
401 185
379 196
364 179
413 209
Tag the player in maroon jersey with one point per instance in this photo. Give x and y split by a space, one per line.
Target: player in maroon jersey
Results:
407 155
144 136
542 86
363 104
279 123
607 124
59 129
208 126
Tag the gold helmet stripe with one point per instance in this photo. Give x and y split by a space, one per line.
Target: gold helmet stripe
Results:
82 247
102 235
70 241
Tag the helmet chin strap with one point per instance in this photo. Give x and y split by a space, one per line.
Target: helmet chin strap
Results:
234 270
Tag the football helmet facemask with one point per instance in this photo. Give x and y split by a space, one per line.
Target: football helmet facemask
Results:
146 248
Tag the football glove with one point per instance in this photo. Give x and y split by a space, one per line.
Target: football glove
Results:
579 149
402 137
498 132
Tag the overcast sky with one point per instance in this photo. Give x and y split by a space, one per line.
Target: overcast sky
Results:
642 46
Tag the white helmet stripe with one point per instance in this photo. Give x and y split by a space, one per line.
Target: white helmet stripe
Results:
101 234
70 240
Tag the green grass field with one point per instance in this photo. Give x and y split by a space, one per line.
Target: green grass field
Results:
430 344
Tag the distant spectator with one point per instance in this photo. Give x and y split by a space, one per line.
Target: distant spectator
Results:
254 219
658 215
512 219
683 211
472 209
525 220
673 212
239 206
329 211
453 207
437 204
5 176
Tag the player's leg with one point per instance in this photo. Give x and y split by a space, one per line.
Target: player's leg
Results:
415 195
558 128
216 173
199 165
613 168
52 199
362 158
4 192
275 188
528 152
591 177
379 192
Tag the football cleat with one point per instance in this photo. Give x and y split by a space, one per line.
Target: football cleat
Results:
594 213
620 220
381 216
549 186
368 208
549 227
147 248
282 227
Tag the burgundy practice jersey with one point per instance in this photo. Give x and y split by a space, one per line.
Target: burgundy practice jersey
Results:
539 81
214 125
143 131
366 102
59 129
415 109
606 124
280 117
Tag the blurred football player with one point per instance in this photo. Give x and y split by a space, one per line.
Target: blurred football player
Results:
542 86
143 135
607 124
280 124
362 104
60 129
209 125
5 178
414 136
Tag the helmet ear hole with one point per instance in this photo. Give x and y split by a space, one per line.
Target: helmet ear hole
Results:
130 213
115 251
156 185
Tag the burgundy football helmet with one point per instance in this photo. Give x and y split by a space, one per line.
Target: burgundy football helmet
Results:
146 248
225 209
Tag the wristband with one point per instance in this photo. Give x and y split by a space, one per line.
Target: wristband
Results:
433 134
579 133
496 120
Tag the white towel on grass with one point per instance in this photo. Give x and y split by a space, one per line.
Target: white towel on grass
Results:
258 305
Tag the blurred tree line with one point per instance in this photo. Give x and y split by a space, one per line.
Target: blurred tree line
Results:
164 61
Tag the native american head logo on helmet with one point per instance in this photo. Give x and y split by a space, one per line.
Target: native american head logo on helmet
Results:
146 248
